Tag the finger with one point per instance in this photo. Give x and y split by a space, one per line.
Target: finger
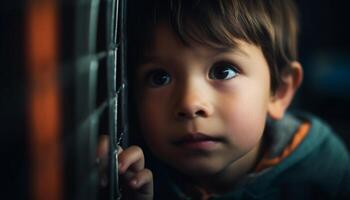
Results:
131 158
102 147
119 150
142 182
128 175
102 152
102 159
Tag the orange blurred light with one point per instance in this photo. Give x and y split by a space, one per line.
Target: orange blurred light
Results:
43 99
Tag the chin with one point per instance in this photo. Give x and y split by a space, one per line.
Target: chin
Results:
198 169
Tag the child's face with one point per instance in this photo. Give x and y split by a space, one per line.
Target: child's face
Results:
201 109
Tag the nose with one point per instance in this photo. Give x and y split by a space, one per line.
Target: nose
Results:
193 102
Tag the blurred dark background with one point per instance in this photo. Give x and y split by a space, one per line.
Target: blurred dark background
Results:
324 50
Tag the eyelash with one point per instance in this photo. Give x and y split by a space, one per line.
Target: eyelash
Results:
163 76
160 77
229 71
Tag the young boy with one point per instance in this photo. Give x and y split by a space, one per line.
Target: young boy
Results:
211 81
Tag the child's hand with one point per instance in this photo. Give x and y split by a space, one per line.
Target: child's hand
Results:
137 181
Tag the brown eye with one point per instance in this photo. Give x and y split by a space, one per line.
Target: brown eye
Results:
158 77
223 71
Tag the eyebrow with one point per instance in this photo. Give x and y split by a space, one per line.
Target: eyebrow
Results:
235 49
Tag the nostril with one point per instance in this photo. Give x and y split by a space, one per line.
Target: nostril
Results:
200 113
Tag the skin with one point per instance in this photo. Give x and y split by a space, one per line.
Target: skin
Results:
229 109
195 103
135 178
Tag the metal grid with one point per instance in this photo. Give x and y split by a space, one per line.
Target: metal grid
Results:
89 111
76 47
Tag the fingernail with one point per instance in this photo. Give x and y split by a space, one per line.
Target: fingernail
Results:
134 182
120 165
119 149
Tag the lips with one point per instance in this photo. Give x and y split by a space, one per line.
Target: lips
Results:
197 141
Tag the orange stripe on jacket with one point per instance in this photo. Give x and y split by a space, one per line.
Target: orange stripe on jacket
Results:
297 139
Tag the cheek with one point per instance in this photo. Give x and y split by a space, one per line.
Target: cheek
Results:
245 118
150 119
246 130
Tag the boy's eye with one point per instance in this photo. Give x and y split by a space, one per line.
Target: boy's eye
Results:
223 71
158 77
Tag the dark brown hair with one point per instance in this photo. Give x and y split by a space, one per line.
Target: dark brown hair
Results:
269 24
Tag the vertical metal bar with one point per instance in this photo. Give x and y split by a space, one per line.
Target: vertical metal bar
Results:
121 90
86 82
94 116
116 192
123 60
116 86
112 18
118 93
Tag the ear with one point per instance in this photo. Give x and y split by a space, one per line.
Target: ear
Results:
284 94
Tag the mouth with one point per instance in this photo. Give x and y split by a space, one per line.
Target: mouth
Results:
198 141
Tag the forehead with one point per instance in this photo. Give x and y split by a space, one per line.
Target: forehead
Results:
165 43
